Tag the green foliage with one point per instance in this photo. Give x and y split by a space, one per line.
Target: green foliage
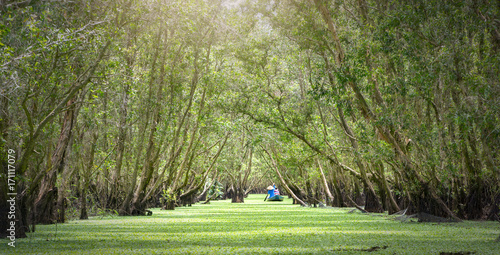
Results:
216 190
178 77
257 227
167 196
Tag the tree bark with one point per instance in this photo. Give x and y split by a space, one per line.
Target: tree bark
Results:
214 160
375 205
238 195
132 205
325 184
87 173
122 136
393 205
45 204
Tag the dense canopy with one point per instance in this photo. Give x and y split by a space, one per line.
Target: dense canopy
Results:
121 106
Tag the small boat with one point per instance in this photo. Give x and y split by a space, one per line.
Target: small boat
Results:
273 194
275 198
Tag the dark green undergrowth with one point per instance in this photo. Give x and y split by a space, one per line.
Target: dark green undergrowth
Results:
257 227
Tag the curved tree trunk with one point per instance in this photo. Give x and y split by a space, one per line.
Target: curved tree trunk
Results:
325 185
393 206
372 201
45 204
133 204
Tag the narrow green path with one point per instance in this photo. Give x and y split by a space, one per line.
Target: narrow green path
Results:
256 227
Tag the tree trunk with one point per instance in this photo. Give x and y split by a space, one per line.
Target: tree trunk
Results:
45 204
122 126
138 205
83 202
122 136
132 204
393 205
61 199
4 205
238 195
373 204
325 185
202 181
169 205
372 201
87 173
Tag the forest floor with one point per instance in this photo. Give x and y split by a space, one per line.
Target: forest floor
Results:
257 227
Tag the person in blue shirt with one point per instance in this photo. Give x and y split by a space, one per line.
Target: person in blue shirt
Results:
270 190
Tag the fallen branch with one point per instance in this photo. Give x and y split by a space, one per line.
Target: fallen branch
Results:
356 205
210 198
